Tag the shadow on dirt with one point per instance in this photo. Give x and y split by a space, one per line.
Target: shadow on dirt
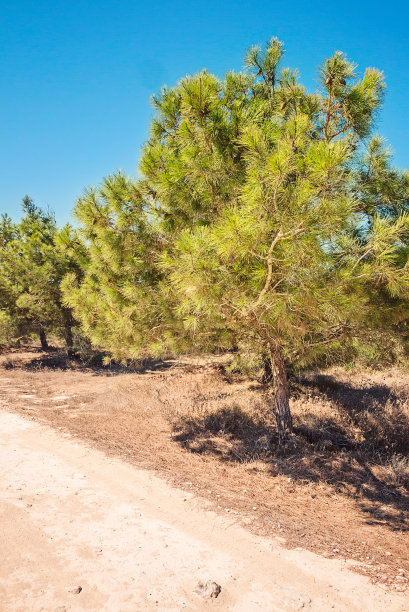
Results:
325 450
58 359
377 412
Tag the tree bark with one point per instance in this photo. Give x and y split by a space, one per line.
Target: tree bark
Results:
267 376
69 340
43 339
281 394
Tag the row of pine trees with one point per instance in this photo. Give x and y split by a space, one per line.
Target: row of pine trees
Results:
266 220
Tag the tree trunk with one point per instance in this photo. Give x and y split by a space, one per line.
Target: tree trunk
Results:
69 340
281 394
43 339
267 376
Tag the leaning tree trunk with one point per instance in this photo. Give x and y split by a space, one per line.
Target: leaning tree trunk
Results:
281 394
43 339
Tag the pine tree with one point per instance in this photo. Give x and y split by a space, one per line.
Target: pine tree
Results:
121 301
258 223
274 233
32 265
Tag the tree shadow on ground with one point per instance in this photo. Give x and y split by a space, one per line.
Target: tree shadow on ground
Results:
378 413
248 437
59 359
323 451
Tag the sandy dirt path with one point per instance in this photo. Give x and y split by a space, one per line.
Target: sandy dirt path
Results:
72 517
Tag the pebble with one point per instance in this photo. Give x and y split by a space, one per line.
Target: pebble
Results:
303 602
75 590
208 590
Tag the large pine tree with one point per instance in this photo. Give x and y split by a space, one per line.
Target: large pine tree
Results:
282 235
258 223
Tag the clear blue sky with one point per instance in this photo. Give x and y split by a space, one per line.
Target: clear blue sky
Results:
76 76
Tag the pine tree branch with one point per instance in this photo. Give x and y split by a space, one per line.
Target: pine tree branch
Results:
270 261
338 333
266 287
358 261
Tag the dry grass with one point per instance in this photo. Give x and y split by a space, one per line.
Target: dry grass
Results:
340 487
396 471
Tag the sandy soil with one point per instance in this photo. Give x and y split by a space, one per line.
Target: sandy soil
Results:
73 517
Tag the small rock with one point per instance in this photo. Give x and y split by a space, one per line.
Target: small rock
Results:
75 590
208 590
303 602
60 609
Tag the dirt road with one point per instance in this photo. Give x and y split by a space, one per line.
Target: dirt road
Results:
71 517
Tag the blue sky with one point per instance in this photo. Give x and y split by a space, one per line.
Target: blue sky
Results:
76 77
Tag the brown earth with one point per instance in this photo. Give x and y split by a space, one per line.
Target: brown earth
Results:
339 488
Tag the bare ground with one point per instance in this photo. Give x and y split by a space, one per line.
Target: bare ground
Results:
340 488
81 531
